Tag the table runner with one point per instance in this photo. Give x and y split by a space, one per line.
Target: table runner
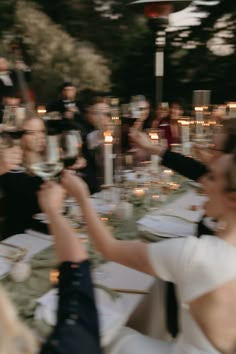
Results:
25 295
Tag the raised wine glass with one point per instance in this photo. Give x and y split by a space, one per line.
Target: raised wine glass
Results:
70 148
50 165
12 130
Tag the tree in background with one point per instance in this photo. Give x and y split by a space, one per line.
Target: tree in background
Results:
55 56
116 31
197 57
203 56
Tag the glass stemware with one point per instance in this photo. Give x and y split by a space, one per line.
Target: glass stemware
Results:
70 147
12 131
50 165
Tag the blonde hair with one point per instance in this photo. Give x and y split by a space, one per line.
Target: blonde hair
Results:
32 117
16 338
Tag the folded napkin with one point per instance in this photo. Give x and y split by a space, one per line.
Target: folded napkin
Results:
190 216
166 226
31 244
188 207
110 316
21 246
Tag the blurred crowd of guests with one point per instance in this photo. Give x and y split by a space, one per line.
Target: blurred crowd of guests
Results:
77 320
91 117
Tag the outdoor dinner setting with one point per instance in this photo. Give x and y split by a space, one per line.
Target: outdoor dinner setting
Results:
117 177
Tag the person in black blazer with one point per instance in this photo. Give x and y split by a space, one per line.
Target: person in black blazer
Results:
67 105
9 78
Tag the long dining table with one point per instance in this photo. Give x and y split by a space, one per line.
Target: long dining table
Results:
119 290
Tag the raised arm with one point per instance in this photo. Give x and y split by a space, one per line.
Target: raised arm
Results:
76 331
133 254
68 247
186 166
143 142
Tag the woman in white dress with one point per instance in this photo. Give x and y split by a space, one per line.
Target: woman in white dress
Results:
204 270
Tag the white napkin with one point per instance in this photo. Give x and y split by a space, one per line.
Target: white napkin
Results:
32 244
166 226
5 267
182 207
110 317
176 218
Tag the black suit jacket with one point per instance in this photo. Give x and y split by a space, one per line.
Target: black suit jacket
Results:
6 90
62 106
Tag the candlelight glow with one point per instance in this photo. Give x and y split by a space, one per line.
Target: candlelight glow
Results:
139 192
54 276
168 172
153 136
183 122
41 110
199 109
108 138
232 105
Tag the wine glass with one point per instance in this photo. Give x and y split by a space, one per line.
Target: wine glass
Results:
70 148
49 165
13 118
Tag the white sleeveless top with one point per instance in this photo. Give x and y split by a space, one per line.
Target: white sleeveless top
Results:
197 266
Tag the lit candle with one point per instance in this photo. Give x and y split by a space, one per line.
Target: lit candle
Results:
54 276
173 186
139 192
41 110
108 158
155 197
199 114
185 136
232 110
167 174
154 158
